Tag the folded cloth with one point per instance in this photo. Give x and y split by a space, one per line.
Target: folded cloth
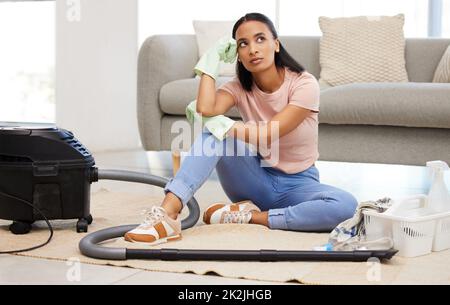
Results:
218 125
351 233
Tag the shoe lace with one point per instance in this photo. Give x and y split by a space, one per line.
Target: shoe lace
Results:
153 215
236 217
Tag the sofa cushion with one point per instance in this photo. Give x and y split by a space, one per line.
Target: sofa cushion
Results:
442 73
391 104
176 95
362 49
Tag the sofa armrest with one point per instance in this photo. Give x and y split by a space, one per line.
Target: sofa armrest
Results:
162 59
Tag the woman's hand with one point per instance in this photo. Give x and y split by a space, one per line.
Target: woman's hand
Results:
223 50
227 50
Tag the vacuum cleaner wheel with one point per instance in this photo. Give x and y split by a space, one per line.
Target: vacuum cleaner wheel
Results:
83 223
20 227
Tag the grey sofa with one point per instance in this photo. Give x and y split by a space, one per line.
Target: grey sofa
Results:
397 123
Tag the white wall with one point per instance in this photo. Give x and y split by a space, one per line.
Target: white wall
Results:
96 64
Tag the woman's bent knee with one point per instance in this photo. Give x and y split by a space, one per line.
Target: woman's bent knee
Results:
348 204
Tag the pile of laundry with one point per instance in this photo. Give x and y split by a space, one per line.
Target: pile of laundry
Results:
351 234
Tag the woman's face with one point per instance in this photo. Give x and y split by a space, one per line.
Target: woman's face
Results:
256 46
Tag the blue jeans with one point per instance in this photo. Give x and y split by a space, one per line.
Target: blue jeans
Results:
297 202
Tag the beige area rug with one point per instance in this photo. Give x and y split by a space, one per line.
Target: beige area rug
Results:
112 209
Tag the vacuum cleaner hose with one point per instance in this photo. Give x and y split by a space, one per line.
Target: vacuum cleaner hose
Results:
90 247
90 244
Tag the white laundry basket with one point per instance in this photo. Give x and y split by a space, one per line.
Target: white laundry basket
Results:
442 234
414 229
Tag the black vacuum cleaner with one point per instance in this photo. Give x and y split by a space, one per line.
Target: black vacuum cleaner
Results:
48 168
46 173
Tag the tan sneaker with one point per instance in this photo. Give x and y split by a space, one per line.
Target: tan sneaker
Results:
157 228
239 212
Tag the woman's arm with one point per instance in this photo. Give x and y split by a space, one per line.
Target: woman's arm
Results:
206 94
285 121
211 102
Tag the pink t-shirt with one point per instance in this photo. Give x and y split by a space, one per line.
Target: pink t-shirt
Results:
298 150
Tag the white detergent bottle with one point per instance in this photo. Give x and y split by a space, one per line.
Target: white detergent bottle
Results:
438 196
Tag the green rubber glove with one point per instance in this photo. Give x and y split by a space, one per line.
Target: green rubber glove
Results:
191 113
228 50
225 49
218 125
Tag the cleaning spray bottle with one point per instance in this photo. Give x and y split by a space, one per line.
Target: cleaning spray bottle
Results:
438 196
